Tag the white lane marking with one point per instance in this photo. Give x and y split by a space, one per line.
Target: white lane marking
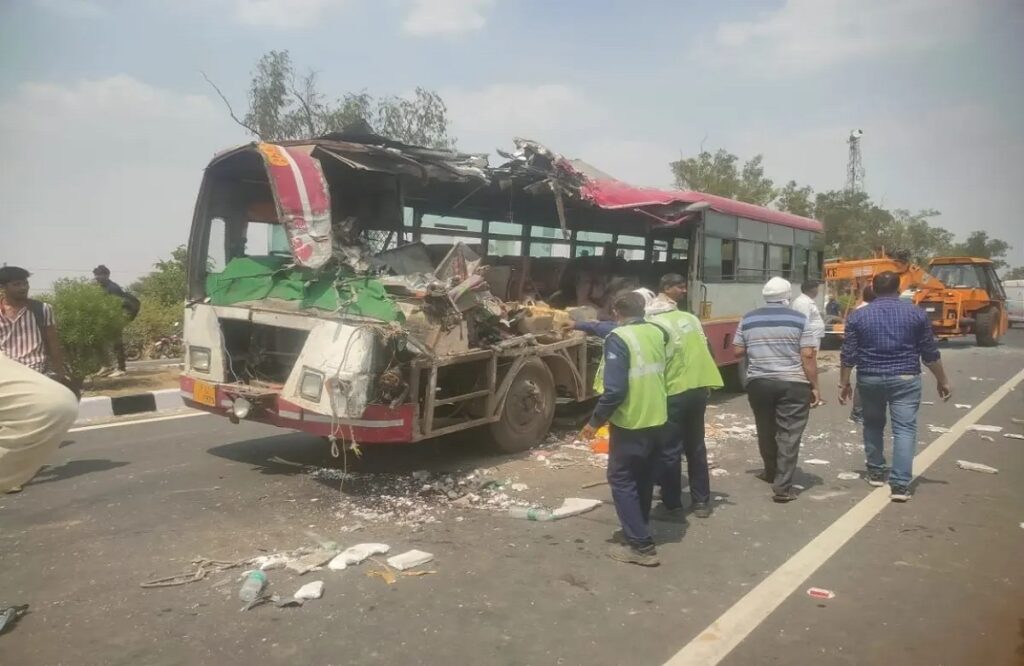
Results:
118 424
713 644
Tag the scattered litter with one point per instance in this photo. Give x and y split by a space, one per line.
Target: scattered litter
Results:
10 615
799 487
519 487
306 563
1013 435
977 379
384 574
976 467
270 562
1017 421
927 402
986 428
594 484
820 593
574 506
815 461
409 560
204 567
285 602
313 590
987 438
848 476
718 471
357 554
253 586
961 406
719 498
939 429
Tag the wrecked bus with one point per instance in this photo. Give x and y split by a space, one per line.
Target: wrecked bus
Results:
369 291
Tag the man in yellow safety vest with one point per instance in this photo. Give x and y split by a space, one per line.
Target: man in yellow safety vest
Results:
631 381
690 374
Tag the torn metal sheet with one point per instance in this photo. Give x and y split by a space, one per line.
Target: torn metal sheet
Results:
303 202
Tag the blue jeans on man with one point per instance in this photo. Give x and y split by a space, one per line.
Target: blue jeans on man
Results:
684 435
632 459
902 396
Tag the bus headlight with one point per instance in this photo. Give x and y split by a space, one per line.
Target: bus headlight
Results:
199 359
311 385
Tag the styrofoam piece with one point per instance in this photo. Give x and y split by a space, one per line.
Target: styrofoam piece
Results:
409 559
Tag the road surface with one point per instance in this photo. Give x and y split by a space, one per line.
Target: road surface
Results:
936 581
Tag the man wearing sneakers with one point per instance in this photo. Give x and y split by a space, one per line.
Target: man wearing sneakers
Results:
887 341
690 374
631 381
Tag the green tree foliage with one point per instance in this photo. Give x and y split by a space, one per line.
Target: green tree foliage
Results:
166 284
1014 274
162 297
89 321
283 106
719 174
797 200
854 226
978 244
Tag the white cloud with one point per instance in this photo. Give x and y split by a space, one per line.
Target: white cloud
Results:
283 14
491 116
812 35
103 171
72 8
446 17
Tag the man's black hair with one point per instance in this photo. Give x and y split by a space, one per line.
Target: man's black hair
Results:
671 280
629 304
101 270
10 274
809 285
886 283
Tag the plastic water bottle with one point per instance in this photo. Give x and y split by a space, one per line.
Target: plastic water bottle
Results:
253 586
530 513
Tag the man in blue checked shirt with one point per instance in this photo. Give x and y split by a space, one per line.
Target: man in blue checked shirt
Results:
887 341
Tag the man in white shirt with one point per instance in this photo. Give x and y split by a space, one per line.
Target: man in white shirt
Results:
805 305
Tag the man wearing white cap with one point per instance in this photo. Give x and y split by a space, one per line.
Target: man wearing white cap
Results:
782 381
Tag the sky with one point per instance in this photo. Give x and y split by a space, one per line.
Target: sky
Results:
107 123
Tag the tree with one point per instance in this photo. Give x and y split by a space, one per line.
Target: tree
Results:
167 283
1014 274
284 106
796 200
913 232
717 174
88 320
854 226
978 244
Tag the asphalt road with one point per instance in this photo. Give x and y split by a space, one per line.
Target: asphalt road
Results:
936 581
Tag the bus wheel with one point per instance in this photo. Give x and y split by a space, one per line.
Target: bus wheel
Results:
528 410
986 327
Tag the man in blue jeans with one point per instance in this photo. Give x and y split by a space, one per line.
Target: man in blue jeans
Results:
887 341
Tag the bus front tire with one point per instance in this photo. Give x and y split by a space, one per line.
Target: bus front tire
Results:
529 408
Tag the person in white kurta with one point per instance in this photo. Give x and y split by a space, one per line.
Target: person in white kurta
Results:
804 304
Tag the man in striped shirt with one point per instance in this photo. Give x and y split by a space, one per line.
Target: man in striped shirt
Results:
780 346
28 329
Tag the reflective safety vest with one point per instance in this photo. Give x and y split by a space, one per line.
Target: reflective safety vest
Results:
690 364
645 405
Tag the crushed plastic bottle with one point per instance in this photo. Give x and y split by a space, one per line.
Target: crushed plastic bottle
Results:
530 513
253 586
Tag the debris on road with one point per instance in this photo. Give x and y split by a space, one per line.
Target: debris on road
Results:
357 555
938 429
1013 435
594 484
307 563
718 471
816 461
987 438
409 559
986 428
519 487
976 467
1017 421
204 567
820 593
848 476
961 406
384 574
313 590
927 402
530 513
828 494
252 588
11 614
